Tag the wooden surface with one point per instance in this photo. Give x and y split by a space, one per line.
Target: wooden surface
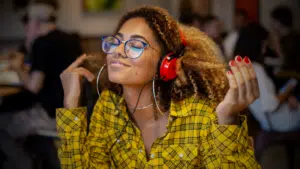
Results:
7 90
288 74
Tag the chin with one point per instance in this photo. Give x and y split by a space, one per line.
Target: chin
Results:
118 78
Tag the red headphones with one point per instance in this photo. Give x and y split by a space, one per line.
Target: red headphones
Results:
167 64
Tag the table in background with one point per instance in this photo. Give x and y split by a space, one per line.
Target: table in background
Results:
6 90
288 74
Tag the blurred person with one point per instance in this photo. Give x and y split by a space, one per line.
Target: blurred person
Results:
51 53
252 43
150 116
23 49
277 111
192 19
284 40
186 18
240 21
198 21
212 26
47 50
31 33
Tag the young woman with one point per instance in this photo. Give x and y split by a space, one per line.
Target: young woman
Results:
168 103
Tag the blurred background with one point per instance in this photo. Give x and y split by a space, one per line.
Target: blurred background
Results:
44 33
77 16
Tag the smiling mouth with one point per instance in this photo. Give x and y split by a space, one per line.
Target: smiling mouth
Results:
118 63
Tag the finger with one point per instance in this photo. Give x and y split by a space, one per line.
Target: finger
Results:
239 79
77 62
84 72
246 76
232 81
255 88
233 90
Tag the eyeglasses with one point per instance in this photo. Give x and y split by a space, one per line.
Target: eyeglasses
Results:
133 48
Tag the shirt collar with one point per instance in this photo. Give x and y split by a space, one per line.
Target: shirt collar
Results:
115 104
112 103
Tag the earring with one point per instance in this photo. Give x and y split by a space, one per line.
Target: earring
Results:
98 78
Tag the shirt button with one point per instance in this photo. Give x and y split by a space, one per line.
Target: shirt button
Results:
118 141
152 156
171 119
140 150
76 118
180 155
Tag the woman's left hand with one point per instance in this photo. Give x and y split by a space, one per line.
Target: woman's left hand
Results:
243 90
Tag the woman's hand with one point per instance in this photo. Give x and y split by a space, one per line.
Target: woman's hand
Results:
243 90
71 81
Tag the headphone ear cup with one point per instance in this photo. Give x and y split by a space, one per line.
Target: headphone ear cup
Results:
167 67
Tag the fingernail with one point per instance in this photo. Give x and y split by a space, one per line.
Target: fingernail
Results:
232 63
238 58
229 72
247 60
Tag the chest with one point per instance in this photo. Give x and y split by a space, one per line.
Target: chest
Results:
172 144
151 131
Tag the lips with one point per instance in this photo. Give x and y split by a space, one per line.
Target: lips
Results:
118 63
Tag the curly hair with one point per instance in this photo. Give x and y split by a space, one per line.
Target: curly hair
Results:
200 70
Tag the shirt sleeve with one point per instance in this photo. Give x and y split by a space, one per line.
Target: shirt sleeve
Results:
78 151
268 97
227 146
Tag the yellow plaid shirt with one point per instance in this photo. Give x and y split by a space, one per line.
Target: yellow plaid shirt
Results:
193 139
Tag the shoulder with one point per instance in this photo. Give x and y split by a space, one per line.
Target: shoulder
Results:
260 71
40 41
108 103
257 66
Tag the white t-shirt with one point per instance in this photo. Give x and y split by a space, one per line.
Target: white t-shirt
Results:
229 44
282 119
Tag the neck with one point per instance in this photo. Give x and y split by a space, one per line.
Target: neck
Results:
131 95
47 27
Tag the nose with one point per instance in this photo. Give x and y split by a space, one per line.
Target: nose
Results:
120 52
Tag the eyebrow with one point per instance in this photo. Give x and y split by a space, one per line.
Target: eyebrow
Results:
120 34
133 36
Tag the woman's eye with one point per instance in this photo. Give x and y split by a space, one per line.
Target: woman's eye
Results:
136 45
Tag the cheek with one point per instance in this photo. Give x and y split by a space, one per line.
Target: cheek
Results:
145 67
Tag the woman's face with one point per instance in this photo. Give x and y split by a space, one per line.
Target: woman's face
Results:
138 71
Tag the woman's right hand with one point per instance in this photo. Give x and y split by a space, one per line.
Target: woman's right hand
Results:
71 79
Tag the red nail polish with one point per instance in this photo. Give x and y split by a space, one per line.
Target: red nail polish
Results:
247 60
239 58
229 72
232 63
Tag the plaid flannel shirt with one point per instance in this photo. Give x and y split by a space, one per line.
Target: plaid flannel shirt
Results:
193 139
